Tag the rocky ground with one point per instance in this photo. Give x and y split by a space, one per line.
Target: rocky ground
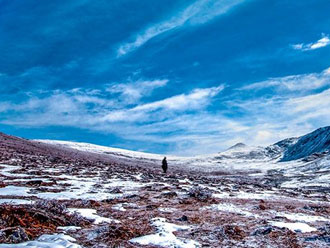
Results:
77 199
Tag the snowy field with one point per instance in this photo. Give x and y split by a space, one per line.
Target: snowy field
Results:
242 197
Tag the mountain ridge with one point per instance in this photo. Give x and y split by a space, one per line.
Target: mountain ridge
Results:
317 141
289 149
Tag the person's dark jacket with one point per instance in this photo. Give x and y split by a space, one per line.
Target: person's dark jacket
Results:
164 165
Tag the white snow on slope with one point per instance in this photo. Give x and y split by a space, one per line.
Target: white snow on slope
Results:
295 227
66 229
235 158
103 149
90 214
15 201
6 171
72 193
14 191
47 241
119 207
303 217
231 208
249 159
81 188
165 237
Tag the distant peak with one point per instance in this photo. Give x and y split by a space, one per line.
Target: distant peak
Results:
238 145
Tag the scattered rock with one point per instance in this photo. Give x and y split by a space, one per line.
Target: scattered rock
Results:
183 218
323 238
234 232
152 206
200 193
115 191
13 235
262 205
263 230
169 194
34 182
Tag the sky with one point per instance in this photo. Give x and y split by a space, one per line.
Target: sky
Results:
182 77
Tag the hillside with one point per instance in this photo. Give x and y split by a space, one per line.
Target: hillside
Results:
72 195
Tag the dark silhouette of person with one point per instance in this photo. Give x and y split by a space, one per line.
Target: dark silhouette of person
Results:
164 165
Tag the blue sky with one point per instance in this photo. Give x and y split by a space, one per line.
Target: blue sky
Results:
174 76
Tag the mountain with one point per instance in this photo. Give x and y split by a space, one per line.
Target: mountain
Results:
240 154
310 152
302 161
91 195
313 145
238 145
315 142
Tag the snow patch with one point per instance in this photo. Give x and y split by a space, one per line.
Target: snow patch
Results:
303 217
47 241
295 227
6 171
165 237
14 191
68 228
119 207
91 215
15 201
167 210
231 208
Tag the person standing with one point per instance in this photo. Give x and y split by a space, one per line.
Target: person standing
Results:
164 165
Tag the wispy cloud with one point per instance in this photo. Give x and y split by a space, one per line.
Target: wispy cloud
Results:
323 42
303 82
189 123
142 122
197 99
84 106
198 12
295 105
134 91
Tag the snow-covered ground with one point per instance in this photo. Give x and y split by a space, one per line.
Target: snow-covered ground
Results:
118 204
86 147
165 237
244 158
47 241
295 227
80 187
91 215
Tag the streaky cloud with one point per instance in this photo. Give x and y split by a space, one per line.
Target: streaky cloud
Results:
303 82
195 100
323 42
133 91
199 12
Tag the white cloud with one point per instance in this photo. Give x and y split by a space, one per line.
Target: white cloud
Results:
263 136
133 92
315 104
198 12
197 133
142 122
327 71
278 117
323 42
197 99
303 82
184 121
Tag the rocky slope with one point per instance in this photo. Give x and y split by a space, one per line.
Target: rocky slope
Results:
315 142
304 157
73 195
